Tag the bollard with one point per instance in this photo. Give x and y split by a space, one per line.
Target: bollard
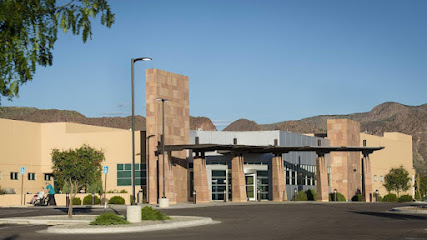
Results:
225 195
67 200
259 195
93 198
370 197
335 195
133 213
194 197
140 196
376 195
295 194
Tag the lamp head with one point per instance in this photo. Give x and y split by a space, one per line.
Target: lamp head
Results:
142 59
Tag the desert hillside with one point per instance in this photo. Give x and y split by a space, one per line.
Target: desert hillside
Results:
386 117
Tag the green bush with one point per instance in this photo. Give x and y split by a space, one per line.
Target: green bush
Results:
405 198
116 200
311 195
2 191
340 197
109 219
88 200
301 196
148 213
391 197
357 198
123 191
77 201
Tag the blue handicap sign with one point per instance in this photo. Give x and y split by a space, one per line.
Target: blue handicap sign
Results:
105 169
22 170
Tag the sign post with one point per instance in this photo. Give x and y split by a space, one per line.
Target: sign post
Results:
105 187
22 185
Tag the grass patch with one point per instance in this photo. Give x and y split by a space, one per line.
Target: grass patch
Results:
148 213
109 219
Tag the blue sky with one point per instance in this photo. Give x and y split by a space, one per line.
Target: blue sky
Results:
266 61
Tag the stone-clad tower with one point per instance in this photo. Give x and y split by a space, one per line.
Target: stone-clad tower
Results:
345 166
175 88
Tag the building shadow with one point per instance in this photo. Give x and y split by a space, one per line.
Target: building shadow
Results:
398 216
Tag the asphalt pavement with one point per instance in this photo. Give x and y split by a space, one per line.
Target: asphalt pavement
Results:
255 221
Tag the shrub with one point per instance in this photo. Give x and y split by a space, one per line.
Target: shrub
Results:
340 197
116 200
301 196
148 213
405 198
2 191
123 191
311 195
77 201
357 198
88 200
109 219
391 197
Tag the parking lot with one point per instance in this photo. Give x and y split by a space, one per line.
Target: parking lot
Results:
264 221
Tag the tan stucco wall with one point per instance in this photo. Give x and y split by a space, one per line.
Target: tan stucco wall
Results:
397 152
29 145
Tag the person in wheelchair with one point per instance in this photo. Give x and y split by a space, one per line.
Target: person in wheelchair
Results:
38 197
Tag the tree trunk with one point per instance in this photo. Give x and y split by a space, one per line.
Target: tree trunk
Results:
418 185
70 206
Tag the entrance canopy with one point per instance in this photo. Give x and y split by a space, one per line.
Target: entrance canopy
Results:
267 149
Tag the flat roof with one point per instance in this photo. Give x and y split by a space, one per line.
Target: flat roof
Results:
268 149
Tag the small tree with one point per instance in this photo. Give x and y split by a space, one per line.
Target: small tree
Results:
77 168
397 179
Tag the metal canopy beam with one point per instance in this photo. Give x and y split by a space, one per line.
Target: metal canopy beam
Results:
269 149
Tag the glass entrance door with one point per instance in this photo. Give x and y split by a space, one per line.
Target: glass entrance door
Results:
250 186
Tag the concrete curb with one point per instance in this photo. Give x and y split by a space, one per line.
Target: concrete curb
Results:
413 210
37 221
85 229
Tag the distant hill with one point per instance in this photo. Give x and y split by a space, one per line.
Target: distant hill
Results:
54 115
243 125
386 117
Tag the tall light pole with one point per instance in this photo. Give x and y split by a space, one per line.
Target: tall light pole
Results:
163 140
132 61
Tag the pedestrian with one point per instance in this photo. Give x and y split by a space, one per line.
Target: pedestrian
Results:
50 194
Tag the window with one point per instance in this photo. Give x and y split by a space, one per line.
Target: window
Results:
375 178
14 176
48 177
31 176
0 175
329 176
381 178
124 174
262 183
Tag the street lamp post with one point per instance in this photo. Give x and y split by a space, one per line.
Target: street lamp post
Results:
163 202
133 60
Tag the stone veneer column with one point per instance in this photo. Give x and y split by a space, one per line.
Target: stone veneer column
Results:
238 187
344 178
169 178
201 180
175 88
322 179
368 177
278 175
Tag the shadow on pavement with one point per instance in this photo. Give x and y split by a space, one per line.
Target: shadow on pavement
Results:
392 215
